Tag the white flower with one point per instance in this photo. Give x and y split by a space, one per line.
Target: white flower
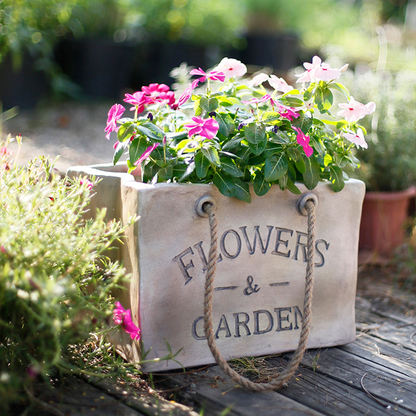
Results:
356 138
231 68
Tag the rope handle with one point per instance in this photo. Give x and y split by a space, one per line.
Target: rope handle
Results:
306 206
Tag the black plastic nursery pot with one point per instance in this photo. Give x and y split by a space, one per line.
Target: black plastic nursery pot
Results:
24 86
100 66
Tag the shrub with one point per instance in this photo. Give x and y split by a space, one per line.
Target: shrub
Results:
50 260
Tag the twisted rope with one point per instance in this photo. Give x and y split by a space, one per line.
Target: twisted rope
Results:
283 378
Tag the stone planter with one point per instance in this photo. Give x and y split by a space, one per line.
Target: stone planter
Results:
383 220
260 279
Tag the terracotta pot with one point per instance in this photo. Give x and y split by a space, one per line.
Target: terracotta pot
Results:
383 219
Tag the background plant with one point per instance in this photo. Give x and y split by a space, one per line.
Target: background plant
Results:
389 163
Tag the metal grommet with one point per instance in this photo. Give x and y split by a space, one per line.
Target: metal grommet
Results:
300 205
199 206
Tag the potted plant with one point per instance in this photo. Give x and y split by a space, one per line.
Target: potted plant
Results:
389 163
250 151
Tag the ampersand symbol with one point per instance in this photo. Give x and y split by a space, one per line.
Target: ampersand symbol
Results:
250 289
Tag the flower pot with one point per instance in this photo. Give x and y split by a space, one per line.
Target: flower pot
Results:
260 277
383 219
25 86
100 66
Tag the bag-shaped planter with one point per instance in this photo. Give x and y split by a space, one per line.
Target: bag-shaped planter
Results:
260 271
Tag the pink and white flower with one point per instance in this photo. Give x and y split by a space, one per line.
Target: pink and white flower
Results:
138 99
114 114
279 84
256 101
258 80
213 75
122 317
303 140
204 127
287 112
146 154
356 138
354 110
159 93
319 71
231 68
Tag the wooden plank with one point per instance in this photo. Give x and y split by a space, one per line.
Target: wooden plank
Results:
384 353
213 390
388 385
74 397
149 404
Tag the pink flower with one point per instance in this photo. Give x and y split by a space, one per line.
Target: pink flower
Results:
138 99
231 68
114 114
146 153
204 127
123 317
287 112
279 84
187 94
213 75
87 182
265 97
319 71
356 138
303 140
354 111
159 93
5 152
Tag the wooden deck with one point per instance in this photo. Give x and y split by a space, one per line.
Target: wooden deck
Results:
375 375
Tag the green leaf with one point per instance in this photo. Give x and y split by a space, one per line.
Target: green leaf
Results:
270 117
257 148
280 137
121 147
234 143
324 99
202 165
208 104
130 166
137 148
294 154
260 185
151 131
242 190
125 131
230 168
341 88
226 123
300 166
292 187
255 133
178 135
275 167
232 187
225 184
166 173
337 179
211 154
291 101
283 182
312 170
188 172
327 159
